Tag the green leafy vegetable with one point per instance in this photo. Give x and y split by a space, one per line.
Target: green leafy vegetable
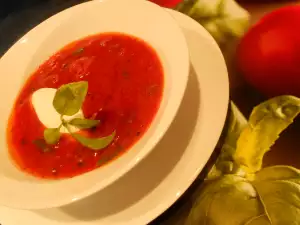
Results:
279 193
272 198
247 194
69 98
84 123
224 19
229 200
95 143
67 101
51 135
277 173
225 163
266 122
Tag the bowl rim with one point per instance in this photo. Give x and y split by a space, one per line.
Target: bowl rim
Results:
142 154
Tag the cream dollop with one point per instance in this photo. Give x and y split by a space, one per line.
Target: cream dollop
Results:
42 101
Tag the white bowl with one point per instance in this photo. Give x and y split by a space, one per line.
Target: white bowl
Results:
136 17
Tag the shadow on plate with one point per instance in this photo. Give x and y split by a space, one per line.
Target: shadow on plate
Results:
147 175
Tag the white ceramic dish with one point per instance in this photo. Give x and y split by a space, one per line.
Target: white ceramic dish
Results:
165 174
139 18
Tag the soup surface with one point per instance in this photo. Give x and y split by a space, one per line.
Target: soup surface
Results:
125 86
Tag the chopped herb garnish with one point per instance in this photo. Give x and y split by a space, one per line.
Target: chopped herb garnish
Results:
93 129
80 163
78 51
21 102
153 88
119 148
105 159
23 141
115 46
102 161
125 74
41 144
64 65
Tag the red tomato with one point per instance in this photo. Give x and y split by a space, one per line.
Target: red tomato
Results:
269 54
167 3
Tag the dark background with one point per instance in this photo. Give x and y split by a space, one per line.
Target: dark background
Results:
19 16
8 6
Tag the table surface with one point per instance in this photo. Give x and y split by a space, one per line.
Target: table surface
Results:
285 151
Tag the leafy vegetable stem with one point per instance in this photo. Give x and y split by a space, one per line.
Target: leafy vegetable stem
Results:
253 219
68 129
238 190
264 206
60 126
266 123
209 207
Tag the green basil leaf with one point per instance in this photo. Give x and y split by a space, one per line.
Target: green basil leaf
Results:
51 135
268 197
272 198
69 98
278 188
277 173
225 20
229 200
95 143
84 123
266 122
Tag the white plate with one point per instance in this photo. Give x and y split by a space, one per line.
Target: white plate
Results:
161 178
86 19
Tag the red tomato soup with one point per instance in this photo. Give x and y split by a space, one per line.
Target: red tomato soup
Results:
125 79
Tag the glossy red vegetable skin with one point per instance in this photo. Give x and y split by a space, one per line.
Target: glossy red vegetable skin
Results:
269 54
167 3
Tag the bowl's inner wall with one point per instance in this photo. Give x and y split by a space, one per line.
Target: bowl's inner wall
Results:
161 32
